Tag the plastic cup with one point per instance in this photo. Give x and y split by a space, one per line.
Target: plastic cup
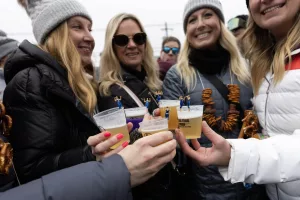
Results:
150 127
114 121
135 115
168 109
190 121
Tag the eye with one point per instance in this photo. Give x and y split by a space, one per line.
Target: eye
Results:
208 15
192 20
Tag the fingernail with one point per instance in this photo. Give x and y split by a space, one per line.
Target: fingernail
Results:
120 136
124 144
107 134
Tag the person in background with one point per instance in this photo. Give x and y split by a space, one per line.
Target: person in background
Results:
210 54
274 56
237 26
7 46
170 49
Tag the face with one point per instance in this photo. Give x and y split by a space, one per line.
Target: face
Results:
169 57
238 33
277 16
132 54
80 33
203 29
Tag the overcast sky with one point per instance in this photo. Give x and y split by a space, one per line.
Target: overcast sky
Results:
152 13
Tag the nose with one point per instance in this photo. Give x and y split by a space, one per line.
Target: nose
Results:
131 43
170 53
88 37
201 23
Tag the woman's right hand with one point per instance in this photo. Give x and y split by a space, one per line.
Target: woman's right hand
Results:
148 155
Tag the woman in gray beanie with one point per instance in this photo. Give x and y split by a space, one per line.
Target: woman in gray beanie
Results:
51 100
209 62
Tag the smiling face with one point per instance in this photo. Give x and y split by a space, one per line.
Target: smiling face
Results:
203 29
277 16
80 34
132 54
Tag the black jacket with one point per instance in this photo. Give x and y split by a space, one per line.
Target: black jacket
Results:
108 180
136 85
50 126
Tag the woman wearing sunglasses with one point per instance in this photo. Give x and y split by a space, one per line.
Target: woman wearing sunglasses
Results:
127 60
274 55
210 55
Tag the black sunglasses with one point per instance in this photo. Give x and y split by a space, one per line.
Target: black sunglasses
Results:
123 40
175 50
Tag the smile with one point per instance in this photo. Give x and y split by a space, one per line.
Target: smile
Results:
203 35
132 54
273 8
86 49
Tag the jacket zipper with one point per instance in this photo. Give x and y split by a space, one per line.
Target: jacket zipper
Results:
268 91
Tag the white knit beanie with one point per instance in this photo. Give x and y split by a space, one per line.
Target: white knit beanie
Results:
46 15
193 5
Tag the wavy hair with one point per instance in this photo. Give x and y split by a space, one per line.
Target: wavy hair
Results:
61 47
238 65
111 71
266 55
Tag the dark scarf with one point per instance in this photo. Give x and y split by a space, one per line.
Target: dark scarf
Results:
141 75
209 61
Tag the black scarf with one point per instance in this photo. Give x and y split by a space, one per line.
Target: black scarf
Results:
141 75
209 61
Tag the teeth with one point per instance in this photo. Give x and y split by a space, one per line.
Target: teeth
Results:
132 54
272 9
202 35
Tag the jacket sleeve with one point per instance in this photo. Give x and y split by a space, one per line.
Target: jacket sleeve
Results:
272 160
173 86
33 134
109 179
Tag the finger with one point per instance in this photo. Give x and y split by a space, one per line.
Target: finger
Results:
162 161
156 112
96 139
185 146
210 134
147 117
164 149
129 126
112 152
104 146
195 144
157 138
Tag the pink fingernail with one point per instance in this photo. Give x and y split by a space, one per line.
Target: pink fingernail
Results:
107 134
120 136
125 144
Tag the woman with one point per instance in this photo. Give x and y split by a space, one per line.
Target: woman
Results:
127 61
210 54
273 33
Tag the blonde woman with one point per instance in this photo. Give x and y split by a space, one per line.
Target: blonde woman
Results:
127 60
51 101
210 55
273 32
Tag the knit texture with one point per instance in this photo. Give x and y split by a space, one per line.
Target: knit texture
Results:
7 45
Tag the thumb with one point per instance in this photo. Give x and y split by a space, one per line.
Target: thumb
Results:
210 134
129 126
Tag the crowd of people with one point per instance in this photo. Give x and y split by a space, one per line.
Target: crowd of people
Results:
50 92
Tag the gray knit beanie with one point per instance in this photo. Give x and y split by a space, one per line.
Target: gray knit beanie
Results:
46 15
7 45
194 5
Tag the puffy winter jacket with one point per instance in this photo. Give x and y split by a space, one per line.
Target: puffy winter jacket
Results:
274 161
50 126
206 182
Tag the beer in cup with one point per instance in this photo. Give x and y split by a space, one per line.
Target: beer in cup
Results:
168 109
113 121
135 115
190 121
149 127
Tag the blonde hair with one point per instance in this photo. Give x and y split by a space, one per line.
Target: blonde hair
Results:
238 64
61 47
111 71
266 55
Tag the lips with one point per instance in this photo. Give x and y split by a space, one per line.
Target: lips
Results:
133 54
85 49
273 8
202 35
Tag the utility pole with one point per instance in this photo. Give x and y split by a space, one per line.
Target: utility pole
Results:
166 29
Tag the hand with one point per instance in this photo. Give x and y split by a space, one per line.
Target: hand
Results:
101 143
218 154
156 112
148 155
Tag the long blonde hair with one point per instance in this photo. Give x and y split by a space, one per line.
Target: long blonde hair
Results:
111 71
61 47
238 64
266 55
